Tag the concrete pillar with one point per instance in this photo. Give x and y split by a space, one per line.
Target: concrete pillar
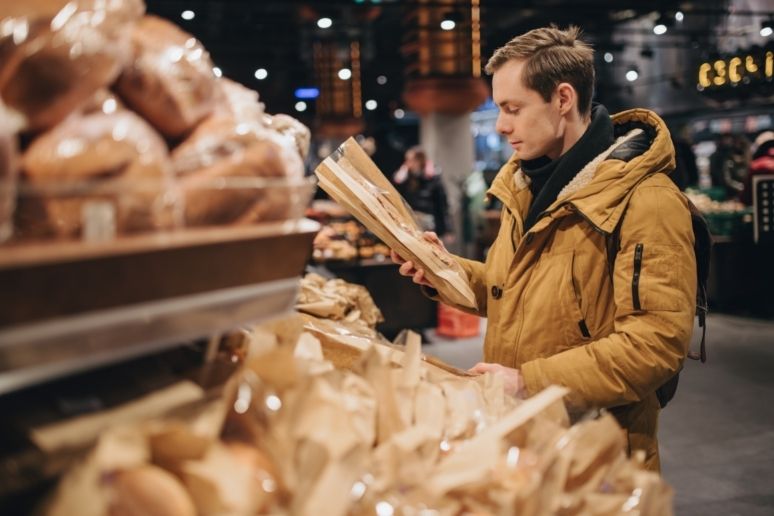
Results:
448 141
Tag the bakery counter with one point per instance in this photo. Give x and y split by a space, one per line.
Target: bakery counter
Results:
70 307
400 300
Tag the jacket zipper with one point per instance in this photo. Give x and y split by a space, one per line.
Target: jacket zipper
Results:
636 276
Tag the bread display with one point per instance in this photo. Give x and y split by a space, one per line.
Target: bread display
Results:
112 157
126 129
54 54
169 80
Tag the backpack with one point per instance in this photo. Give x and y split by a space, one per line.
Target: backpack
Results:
702 248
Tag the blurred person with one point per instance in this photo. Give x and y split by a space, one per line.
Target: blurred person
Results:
729 164
686 174
419 182
591 280
762 162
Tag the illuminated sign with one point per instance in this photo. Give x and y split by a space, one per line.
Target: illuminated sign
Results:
307 93
745 68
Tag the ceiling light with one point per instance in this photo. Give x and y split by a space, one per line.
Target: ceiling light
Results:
345 74
679 16
261 74
217 71
608 57
381 80
324 23
632 75
661 25
398 113
767 28
371 104
301 106
448 24
188 15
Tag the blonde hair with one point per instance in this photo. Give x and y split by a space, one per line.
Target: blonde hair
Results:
552 56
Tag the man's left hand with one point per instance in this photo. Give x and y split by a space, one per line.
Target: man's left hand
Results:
512 378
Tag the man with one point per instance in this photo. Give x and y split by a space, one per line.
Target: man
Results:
419 183
591 281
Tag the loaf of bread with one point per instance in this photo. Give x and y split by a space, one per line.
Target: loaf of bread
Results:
148 491
112 157
218 165
54 54
243 105
169 81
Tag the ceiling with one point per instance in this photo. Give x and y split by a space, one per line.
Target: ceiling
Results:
278 35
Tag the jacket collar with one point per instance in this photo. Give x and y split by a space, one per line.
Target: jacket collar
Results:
601 190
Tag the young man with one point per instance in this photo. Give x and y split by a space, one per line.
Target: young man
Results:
591 282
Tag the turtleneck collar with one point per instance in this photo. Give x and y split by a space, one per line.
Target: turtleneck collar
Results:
548 177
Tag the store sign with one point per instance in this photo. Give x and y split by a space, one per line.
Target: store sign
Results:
749 68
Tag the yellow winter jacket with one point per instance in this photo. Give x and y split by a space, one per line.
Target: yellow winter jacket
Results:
559 310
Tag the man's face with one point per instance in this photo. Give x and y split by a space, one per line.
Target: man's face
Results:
532 125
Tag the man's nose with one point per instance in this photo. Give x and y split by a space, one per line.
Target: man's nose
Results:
501 126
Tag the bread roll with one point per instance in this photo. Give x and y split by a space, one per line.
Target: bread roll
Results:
54 54
149 491
115 157
211 162
287 125
170 80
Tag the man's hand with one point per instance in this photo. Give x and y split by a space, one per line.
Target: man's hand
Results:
407 267
512 378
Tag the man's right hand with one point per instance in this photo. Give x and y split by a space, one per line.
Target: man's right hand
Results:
408 269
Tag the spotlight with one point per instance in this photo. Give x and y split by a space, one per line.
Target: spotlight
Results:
261 74
371 104
448 24
632 74
381 80
679 16
608 57
324 23
217 72
661 25
399 113
767 28
345 74
188 15
300 106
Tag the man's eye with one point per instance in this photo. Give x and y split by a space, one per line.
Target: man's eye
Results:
513 110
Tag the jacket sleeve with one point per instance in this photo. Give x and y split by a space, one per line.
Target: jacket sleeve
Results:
475 272
654 281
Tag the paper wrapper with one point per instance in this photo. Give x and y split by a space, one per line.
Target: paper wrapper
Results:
391 434
354 181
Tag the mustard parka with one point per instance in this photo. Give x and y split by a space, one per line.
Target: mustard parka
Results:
563 313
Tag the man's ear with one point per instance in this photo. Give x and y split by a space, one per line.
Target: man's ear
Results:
566 97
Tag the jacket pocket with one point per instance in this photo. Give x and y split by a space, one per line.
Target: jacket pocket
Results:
577 307
636 272
653 274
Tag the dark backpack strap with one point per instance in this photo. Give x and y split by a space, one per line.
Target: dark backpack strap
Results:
702 249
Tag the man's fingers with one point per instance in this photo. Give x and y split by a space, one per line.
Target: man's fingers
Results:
419 276
482 367
407 269
396 257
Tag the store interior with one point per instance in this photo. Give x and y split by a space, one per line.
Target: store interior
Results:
199 310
